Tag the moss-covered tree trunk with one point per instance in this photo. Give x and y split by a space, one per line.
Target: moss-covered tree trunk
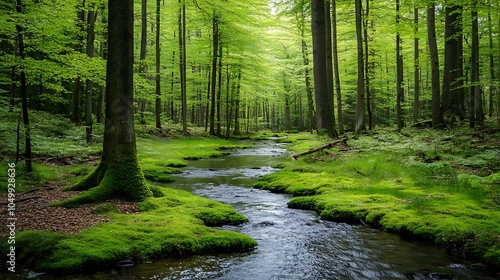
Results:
118 174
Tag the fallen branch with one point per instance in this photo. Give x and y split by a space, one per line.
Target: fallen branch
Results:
322 147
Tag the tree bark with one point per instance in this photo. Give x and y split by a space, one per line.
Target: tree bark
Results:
336 72
434 58
80 22
118 174
450 99
24 97
157 58
416 68
182 48
476 104
219 89
399 72
90 85
491 92
360 96
324 112
215 49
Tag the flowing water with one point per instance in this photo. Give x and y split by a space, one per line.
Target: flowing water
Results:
293 244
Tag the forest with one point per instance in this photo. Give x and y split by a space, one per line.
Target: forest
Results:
390 111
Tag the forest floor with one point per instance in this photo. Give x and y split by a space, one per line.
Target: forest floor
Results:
95 236
438 186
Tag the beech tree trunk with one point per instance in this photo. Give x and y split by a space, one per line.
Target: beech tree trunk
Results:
416 69
118 174
451 99
90 84
24 97
434 57
492 63
215 49
336 72
360 96
399 73
476 97
182 48
324 110
157 58
80 22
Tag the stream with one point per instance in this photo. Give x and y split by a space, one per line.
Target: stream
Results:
293 244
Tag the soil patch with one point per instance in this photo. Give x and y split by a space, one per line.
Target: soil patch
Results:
36 214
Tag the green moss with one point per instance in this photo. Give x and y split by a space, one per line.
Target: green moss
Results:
122 180
383 182
175 224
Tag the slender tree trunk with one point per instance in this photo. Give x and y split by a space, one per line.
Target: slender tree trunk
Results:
324 109
329 71
208 99
416 73
218 126
80 22
399 72
24 97
182 48
369 111
237 106
142 56
360 96
491 92
104 55
336 68
307 74
476 96
90 84
434 57
158 89
215 45
450 99
228 107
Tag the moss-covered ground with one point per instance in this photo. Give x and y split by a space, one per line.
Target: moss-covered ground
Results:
441 187
172 223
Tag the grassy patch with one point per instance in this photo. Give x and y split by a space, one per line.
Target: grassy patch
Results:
432 187
172 225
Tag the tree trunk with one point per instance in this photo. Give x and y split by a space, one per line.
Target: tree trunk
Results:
416 73
360 96
118 174
332 130
476 97
450 99
399 72
80 22
434 58
142 56
157 58
336 68
24 97
215 49
218 126
324 111
369 111
90 84
491 92
237 106
104 55
182 48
